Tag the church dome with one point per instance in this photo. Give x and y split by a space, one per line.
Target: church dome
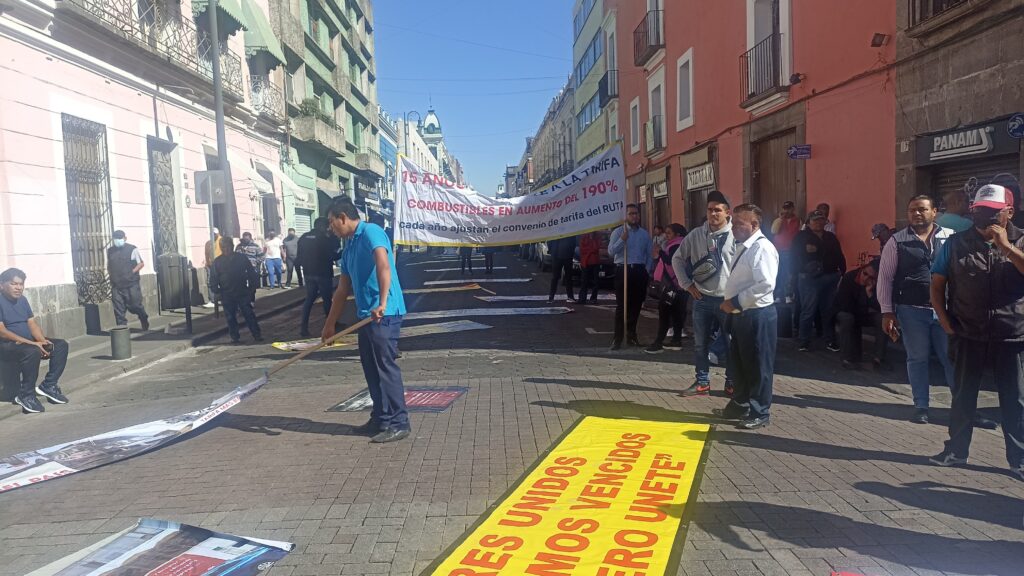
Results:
431 125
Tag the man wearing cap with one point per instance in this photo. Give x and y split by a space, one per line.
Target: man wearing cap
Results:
784 229
882 233
702 264
977 291
818 264
123 264
905 298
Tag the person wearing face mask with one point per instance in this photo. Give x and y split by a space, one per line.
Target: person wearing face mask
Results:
977 291
123 264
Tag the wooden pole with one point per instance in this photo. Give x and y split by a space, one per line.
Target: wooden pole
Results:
625 282
285 363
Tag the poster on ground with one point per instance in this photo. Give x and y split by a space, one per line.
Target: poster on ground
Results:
38 466
433 211
162 548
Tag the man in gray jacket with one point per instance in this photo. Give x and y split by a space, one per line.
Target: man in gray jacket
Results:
702 265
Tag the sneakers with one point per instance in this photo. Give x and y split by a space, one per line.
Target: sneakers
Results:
730 388
655 348
947 458
208 305
29 404
697 389
390 435
674 344
52 393
920 416
804 348
832 347
754 423
682 334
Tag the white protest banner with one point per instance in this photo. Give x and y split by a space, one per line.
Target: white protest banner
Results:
433 211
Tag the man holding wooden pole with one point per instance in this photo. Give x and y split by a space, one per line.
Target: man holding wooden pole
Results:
368 272
630 247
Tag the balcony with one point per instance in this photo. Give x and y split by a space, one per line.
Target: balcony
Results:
761 71
608 87
654 132
648 38
370 161
267 99
288 29
316 131
167 37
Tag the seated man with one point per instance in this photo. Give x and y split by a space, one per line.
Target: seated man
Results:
856 307
22 343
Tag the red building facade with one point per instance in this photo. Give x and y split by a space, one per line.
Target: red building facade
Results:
720 95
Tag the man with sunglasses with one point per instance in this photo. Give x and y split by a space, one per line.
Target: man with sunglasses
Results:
977 292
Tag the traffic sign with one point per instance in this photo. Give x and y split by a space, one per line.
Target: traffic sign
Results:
799 152
211 184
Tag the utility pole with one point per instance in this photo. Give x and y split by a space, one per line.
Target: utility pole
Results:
218 109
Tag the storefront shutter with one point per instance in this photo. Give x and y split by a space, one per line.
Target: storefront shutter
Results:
968 176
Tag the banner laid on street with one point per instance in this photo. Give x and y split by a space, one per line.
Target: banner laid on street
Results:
431 210
162 548
71 457
609 498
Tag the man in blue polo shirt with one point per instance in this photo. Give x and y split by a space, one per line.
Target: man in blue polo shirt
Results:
23 344
368 272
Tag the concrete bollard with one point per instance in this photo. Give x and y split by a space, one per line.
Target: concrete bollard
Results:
120 343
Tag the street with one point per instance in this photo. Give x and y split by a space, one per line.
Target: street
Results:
839 481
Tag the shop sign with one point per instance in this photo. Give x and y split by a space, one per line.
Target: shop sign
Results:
992 138
1015 126
702 176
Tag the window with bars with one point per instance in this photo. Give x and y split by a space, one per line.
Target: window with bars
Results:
89 205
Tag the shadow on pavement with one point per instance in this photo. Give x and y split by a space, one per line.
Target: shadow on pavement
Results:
724 521
617 409
962 502
596 385
275 425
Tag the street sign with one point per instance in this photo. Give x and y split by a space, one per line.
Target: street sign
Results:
211 184
1015 126
799 152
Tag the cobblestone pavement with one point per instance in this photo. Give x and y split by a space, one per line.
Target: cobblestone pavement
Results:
839 481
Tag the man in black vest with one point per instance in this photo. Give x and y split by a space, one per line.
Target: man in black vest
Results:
318 249
904 295
123 264
234 278
983 312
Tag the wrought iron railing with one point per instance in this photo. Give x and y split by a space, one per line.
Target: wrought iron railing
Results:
648 38
230 65
609 87
760 69
267 98
922 10
161 27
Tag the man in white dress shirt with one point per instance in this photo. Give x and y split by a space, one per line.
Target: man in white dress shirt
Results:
753 320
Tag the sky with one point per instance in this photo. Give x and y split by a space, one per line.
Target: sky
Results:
489 67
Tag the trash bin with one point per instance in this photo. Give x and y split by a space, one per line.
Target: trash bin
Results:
170 273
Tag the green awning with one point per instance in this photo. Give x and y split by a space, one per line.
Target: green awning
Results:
259 36
229 11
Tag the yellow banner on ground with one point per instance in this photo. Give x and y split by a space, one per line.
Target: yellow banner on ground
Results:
607 500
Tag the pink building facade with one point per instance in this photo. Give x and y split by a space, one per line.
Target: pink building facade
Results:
103 130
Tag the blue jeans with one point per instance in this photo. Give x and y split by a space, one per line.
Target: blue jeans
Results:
316 286
275 271
705 312
232 307
378 345
816 296
922 333
755 335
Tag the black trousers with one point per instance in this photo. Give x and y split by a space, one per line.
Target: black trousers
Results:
232 306
127 299
27 358
971 358
754 339
672 315
851 336
588 282
489 261
558 266
637 278
293 267
466 260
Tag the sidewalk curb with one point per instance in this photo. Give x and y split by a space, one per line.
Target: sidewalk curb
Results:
121 367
